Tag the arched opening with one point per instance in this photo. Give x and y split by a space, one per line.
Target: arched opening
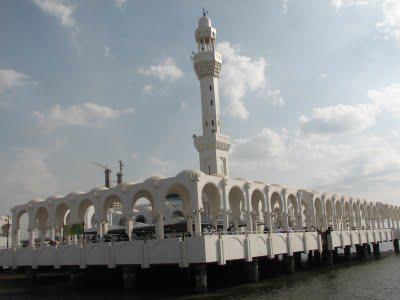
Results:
211 204
319 218
22 225
41 220
141 219
329 212
62 215
375 217
143 207
277 211
257 206
236 203
306 216
292 211
112 212
363 222
177 216
369 216
347 215
339 214
86 215
355 215
178 198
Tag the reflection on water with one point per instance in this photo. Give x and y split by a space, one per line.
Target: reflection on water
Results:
371 279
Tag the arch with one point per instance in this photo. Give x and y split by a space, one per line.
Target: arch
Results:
329 212
318 208
211 200
339 214
293 210
143 201
236 203
184 195
112 202
347 215
86 214
62 210
277 210
306 217
41 218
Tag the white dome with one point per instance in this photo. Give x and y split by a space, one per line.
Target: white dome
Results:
153 178
35 200
54 197
204 22
189 172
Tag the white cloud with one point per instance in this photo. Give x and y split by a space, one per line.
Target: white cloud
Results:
167 70
390 26
323 76
343 3
59 9
148 89
285 6
387 99
86 114
240 74
338 119
359 166
120 3
183 106
277 99
10 79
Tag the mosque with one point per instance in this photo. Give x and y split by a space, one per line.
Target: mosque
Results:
252 219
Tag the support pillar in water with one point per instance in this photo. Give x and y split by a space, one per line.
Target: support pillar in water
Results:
396 246
347 253
31 275
368 247
310 258
377 251
252 271
129 277
317 257
199 278
288 262
297 260
328 257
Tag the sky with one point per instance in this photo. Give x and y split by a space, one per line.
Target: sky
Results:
310 93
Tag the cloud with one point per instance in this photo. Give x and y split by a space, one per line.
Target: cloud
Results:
285 6
166 71
387 99
323 76
10 79
60 10
86 114
120 3
390 25
240 74
343 3
183 106
148 89
361 165
338 119
277 99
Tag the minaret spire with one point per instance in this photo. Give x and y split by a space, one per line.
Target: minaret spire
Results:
213 146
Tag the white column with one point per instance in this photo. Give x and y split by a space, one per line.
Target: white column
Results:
300 212
247 187
225 204
285 212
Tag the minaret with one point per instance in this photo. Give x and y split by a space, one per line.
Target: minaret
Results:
213 146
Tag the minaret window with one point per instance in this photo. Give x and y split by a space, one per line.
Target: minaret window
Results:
210 88
211 102
212 122
206 124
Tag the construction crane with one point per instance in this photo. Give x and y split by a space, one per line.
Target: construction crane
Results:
120 174
107 173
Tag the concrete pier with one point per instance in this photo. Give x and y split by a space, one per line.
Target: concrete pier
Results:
288 263
347 254
317 257
252 272
129 277
310 258
328 257
396 246
297 260
377 251
199 272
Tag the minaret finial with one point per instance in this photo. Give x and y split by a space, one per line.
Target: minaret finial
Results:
205 12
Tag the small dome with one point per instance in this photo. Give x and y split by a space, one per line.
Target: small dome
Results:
153 178
204 22
54 197
74 194
189 172
35 200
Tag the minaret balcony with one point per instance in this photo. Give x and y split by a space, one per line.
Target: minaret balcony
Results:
207 63
213 141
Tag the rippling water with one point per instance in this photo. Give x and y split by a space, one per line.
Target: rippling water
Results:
370 279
